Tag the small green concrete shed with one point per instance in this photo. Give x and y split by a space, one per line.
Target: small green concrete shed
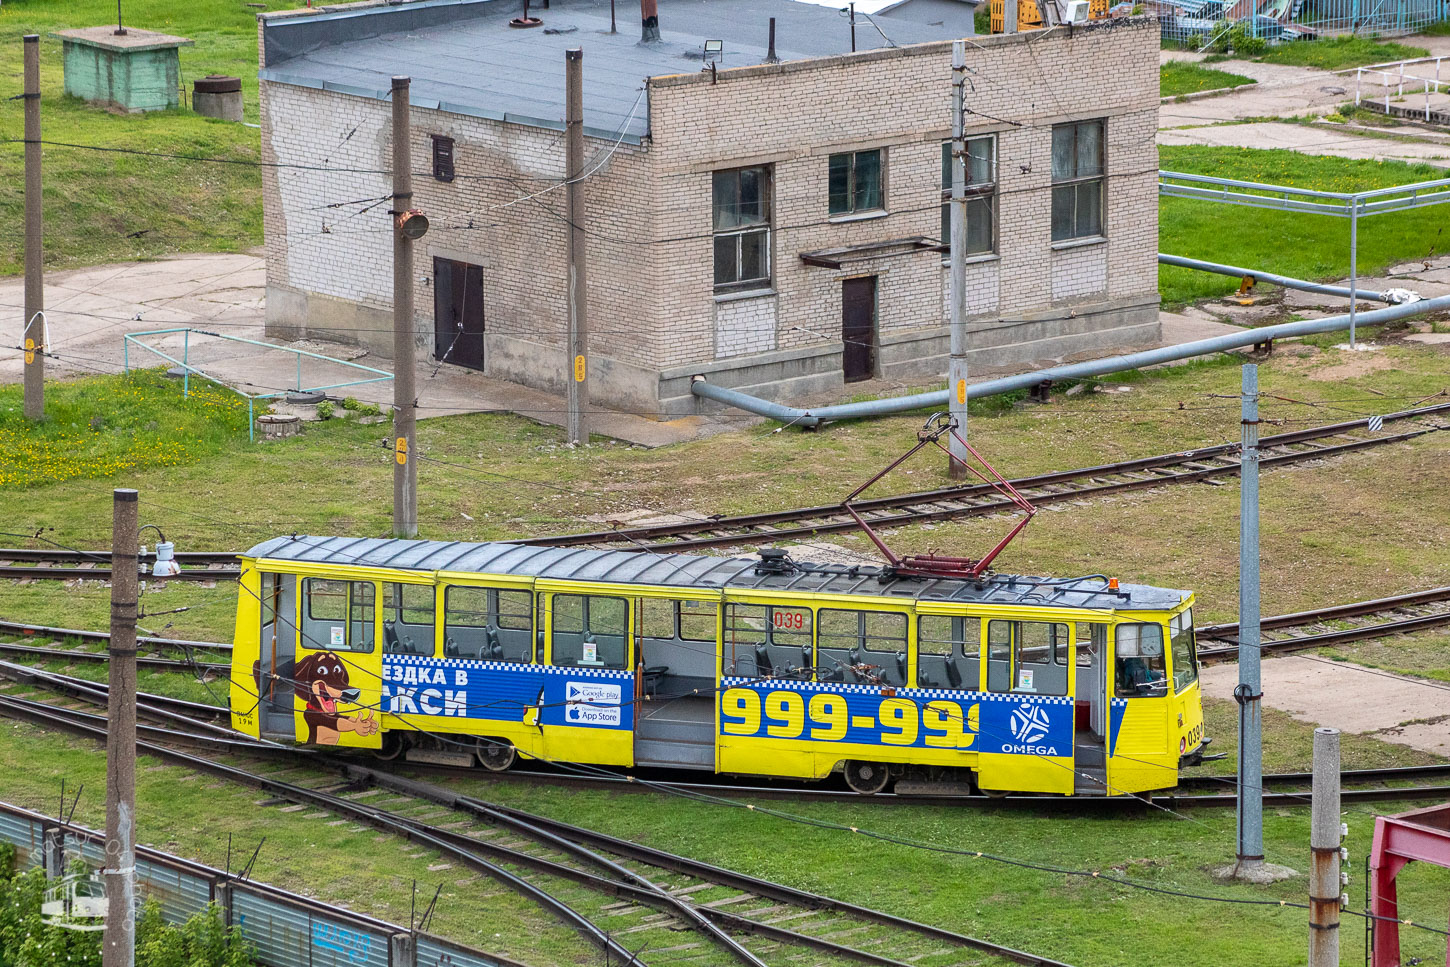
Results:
139 70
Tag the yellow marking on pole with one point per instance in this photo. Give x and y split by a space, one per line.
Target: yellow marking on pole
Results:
578 369
29 351
402 451
961 391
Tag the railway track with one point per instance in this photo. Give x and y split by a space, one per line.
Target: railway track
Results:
44 642
63 564
1206 464
1334 625
614 889
1283 789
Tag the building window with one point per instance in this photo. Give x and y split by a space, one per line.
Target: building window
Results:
442 158
856 182
981 194
742 227
1077 180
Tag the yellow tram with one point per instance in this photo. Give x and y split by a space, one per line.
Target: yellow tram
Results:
451 652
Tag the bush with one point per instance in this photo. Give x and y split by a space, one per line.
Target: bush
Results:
351 403
27 941
325 409
370 409
202 941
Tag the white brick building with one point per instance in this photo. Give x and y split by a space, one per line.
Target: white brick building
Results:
774 227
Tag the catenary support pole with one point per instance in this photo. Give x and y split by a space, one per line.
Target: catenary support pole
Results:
405 403
35 329
1353 261
577 372
957 283
118 941
1324 839
1250 852
1009 16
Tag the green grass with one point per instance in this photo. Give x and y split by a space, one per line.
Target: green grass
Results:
499 477
1332 532
1337 53
103 427
1441 29
196 816
1293 244
1083 921
102 206
1182 77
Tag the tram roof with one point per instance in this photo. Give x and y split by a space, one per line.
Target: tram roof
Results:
662 569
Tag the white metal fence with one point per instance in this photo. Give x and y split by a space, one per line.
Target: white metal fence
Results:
1383 87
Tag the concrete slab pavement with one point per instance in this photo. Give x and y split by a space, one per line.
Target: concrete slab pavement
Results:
1280 91
1349 697
88 310
1320 138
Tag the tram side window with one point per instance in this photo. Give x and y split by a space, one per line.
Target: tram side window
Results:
338 615
767 641
1140 663
487 624
948 652
590 631
1027 656
861 646
1185 656
407 619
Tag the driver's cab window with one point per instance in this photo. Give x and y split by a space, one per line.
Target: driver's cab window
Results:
1141 669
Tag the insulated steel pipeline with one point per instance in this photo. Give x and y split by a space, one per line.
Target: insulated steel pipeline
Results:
1097 367
1283 281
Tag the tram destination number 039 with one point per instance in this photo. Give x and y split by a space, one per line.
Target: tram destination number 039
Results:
827 717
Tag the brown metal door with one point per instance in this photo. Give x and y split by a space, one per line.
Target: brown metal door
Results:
858 328
458 312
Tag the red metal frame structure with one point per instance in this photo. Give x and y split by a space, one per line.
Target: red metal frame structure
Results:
1420 834
932 565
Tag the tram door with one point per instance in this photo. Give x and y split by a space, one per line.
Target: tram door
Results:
278 636
1092 678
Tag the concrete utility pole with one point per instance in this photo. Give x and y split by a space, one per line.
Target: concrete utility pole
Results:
405 466
1324 840
1009 16
118 948
33 335
1251 766
957 364
576 375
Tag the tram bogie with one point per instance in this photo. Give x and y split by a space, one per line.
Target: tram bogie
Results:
491 653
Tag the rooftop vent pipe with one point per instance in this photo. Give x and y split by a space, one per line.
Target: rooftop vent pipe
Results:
649 11
770 57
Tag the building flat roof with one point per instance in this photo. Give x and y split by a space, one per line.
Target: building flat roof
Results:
463 57
662 569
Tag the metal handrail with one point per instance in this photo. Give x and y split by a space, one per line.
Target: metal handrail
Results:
188 369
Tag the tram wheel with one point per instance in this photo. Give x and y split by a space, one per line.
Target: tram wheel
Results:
392 747
496 755
867 778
